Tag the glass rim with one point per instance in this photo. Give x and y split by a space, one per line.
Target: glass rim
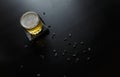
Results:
26 13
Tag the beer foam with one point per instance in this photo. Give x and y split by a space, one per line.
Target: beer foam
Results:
29 20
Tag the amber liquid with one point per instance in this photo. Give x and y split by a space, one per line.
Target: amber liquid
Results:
36 30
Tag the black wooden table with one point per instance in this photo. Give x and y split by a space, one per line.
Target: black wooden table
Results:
82 36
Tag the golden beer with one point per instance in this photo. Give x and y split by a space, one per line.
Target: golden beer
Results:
31 22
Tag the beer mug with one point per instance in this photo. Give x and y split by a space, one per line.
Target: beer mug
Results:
32 23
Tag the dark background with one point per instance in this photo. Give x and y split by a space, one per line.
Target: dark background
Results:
94 22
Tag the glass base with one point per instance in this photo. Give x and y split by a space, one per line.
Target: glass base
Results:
33 38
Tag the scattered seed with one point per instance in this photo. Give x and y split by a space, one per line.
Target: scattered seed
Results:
75 43
74 46
70 34
38 75
42 56
68 59
81 42
65 39
21 66
64 75
54 50
84 51
88 58
69 43
55 54
64 50
54 34
63 53
43 13
77 59
89 49
49 26
74 55
52 37
26 46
